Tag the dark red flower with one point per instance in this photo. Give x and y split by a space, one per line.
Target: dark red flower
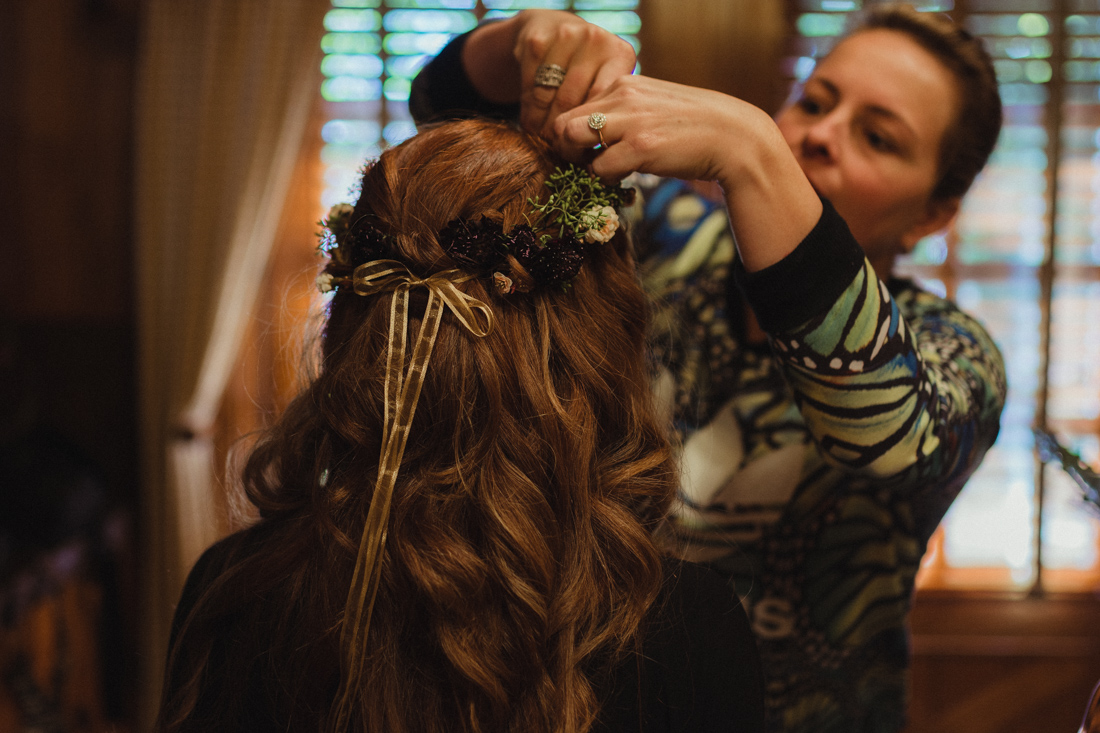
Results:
558 262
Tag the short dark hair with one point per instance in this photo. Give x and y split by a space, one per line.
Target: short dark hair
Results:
968 143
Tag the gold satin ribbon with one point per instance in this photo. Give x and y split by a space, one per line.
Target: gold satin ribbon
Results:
401 392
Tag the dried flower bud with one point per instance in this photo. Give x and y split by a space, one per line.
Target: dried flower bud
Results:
338 217
503 283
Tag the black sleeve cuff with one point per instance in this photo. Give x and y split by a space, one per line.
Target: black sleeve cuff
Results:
807 282
442 91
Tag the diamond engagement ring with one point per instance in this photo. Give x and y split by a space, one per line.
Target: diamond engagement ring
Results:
596 121
549 75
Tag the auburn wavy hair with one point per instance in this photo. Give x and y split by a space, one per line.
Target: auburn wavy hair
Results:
519 562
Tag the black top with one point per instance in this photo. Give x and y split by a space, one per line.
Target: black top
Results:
442 91
698 671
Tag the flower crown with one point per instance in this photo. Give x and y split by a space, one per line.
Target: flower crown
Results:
580 211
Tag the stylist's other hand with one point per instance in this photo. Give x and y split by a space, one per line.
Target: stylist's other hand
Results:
501 60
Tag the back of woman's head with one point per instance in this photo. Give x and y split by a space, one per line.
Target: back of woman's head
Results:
968 143
518 557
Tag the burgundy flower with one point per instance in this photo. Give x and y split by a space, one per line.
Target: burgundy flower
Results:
558 262
522 243
365 242
471 244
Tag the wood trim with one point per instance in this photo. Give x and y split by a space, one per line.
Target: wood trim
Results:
1000 645
953 623
995 662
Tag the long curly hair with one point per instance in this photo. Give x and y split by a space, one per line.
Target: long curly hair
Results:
519 563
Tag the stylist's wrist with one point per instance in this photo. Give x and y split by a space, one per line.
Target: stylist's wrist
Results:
771 204
744 144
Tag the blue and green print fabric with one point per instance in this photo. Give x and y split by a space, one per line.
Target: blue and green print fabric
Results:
816 464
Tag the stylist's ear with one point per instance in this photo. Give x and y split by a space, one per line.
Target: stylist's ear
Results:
938 214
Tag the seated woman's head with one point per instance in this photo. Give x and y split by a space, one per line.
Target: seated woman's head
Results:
516 557
493 203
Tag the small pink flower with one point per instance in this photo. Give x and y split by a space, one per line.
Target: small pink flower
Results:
602 221
503 283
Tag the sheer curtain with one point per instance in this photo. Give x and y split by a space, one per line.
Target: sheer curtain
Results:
225 91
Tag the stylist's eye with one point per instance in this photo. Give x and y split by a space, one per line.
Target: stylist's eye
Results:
879 142
809 106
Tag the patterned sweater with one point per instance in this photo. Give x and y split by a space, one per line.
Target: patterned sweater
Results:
815 466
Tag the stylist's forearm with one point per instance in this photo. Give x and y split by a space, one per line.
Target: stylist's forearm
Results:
490 62
772 206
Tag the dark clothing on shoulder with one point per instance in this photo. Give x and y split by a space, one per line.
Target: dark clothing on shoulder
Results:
698 670
447 94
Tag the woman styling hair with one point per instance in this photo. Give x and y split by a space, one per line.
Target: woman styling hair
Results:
826 413
495 572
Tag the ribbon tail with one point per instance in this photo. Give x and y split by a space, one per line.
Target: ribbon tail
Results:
367 573
395 357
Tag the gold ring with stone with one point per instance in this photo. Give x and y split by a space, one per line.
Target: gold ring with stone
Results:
596 121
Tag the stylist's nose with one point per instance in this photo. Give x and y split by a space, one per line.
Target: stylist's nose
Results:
821 138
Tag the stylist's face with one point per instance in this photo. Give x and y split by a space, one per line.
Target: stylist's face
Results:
867 129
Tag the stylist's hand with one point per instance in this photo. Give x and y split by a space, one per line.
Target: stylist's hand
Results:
659 127
672 130
591 57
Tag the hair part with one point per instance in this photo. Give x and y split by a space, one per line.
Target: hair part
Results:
970 140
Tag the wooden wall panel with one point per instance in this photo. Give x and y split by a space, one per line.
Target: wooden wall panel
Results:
1003 664
731 46
67 143
67 70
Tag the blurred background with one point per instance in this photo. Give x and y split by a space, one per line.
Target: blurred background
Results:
163 166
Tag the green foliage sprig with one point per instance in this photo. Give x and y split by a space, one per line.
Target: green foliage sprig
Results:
575 200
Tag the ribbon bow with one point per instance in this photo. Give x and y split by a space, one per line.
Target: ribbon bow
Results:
401 393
